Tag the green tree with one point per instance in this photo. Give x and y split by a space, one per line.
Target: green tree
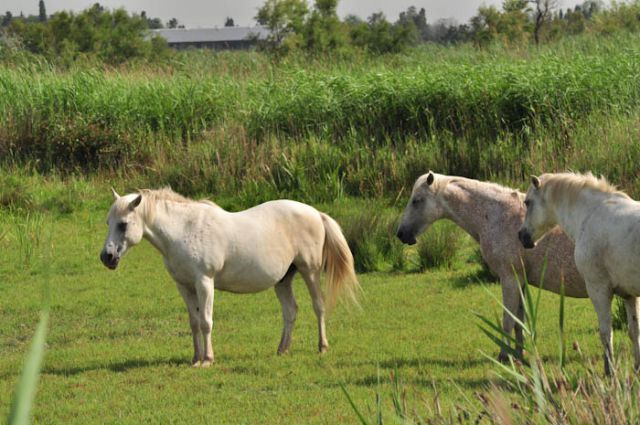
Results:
285 19
172 23
6 19
113 36
42 11
229 22
323 30
152 23
513 23
542 13
379 36
418 19
484 25
576 22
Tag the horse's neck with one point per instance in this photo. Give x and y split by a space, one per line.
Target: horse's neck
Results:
159 231
468 205
571 213
167 225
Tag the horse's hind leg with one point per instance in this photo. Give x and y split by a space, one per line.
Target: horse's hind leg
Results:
284 291
632 305
191 300
313 284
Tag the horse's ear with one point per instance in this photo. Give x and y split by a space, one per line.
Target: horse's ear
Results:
135 203
430 178
115 194
535 182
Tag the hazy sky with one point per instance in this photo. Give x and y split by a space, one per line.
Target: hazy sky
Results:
208 13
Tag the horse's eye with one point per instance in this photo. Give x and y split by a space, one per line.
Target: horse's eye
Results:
527 203
416 201
122 227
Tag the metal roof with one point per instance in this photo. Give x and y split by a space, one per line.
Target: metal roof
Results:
199 35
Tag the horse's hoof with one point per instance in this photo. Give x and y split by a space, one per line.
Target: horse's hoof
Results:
195 363
283 352
503 358
323 349
206 363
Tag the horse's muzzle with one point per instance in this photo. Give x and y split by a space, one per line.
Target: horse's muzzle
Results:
405 237
109 260
525 239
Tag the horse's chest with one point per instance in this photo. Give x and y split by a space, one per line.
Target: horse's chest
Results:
179 271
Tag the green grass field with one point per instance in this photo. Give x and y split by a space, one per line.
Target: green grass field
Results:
346 134
119 344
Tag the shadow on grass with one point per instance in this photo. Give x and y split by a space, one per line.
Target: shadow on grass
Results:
422 362
123 366
480 276
469 383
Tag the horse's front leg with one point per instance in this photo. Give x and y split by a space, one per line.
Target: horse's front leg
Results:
601 297
191 300
204 291
512 307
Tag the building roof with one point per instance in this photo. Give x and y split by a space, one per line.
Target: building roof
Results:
199 35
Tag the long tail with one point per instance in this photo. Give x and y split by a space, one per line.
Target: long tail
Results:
338 263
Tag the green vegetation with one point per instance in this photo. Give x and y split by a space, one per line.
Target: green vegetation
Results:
328 124
112 37
119 343
535 391
253 130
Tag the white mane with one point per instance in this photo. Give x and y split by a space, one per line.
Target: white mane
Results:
569 185
152 197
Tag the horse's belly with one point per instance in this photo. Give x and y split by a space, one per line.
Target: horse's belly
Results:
243 286
247 281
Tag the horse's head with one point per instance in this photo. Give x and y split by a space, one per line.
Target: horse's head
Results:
125 228
539 218
421 211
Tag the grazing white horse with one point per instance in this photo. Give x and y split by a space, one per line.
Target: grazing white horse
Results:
205 247
604 223
491 214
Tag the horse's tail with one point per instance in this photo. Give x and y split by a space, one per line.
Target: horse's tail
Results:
338 263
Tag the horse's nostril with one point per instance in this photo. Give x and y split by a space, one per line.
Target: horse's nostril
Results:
399 234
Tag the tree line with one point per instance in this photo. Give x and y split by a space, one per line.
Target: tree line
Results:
517 23
116 36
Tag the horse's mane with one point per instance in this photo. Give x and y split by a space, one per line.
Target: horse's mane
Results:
568 185
152 197
441 182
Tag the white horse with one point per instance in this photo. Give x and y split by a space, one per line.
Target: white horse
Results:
205 247
491 214
605 225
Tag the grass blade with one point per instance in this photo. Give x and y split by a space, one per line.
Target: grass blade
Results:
363 421
27 384
563 342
